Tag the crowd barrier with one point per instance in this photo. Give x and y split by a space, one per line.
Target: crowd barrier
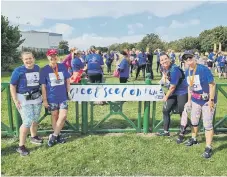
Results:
82 120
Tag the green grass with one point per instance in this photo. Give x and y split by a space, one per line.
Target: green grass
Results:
129 154
114 154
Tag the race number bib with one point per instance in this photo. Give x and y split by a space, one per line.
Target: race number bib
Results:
32 79
197 85
54 81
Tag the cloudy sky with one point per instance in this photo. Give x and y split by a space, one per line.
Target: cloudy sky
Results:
106 22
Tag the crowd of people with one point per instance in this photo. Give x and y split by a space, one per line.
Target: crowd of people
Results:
190 87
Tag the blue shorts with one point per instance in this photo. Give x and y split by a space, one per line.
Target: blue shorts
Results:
30 113
57 106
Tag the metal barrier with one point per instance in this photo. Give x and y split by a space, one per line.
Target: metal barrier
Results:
14 120
86 125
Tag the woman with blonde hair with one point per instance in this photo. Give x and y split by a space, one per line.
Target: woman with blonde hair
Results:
25 91
67 61
77 66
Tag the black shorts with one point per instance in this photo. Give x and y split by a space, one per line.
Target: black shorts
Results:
95 78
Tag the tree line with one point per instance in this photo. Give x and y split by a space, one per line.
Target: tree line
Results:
11 40
203 43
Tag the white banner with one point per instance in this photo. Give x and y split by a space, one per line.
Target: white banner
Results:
117 93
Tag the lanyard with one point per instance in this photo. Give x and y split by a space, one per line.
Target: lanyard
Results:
56 72
193 75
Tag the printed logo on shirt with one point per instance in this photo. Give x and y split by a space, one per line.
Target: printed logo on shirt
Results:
32 79
54 81
197 85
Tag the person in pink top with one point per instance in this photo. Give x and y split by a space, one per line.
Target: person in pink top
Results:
67 61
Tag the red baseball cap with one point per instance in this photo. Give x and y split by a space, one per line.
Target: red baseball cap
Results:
51 52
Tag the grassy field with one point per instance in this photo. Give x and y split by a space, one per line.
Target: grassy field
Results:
115 154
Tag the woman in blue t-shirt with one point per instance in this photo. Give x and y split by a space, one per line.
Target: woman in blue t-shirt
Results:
25 91
94 66
221 62
124 67
77 68
201 99
109 59
54 78
174 79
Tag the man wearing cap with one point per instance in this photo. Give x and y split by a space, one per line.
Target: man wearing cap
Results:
55 81
201 99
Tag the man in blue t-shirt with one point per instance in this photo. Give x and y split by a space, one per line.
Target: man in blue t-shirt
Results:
55 81
201 99
109 59
142 58
211 58
221 62
172 56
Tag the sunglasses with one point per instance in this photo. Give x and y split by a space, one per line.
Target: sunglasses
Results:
188 58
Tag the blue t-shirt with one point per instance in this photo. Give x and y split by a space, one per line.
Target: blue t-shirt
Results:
124 68
77 64
109 59
203 77
176 78
172 56
56 88
94 62
26 80
221 61
83 56
142 58
211 56
158 56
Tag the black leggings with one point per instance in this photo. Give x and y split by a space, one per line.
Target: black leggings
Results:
95 78
123 79
149 70
180 100
108 68
158 65
143 67
131 67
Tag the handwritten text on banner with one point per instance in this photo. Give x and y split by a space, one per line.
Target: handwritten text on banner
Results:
116 93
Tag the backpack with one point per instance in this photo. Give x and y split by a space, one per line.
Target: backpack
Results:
182 73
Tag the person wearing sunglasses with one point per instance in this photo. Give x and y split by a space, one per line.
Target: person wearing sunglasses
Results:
174 79
201 99
55 80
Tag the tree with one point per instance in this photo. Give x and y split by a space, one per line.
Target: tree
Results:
152 41
208 38
11 40
64 45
